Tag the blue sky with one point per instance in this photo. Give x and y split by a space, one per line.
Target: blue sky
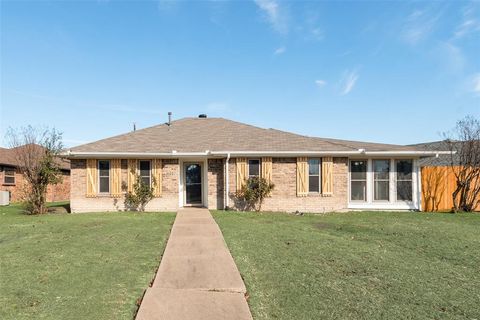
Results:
396 72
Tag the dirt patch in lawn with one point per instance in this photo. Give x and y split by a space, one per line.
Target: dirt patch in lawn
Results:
322 225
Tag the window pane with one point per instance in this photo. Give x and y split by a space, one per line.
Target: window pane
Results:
9 180
145 168
253 167
313 166
104 184
381 169
358 190
194 174
404 169
146 180
358 170
381 190
404 190
104 168
313 184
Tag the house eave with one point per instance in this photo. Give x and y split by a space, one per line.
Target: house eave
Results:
140 155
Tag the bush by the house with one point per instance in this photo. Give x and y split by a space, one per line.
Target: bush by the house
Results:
255 191
142 193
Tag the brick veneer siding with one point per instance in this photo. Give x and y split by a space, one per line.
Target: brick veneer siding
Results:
284 197
80 203
215 183
58 192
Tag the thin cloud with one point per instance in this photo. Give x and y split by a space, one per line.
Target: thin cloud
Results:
348 81
452 56
279 50
470 22
320 83
274 14
418 26
317 34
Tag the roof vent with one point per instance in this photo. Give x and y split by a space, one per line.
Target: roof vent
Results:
203 116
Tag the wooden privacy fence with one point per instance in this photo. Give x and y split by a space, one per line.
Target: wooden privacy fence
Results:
438 185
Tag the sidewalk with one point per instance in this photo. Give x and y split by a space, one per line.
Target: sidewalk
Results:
197 278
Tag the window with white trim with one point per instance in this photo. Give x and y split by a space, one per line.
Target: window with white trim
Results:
9 175
358 180
404 169
104 176
381 180
314 175
145 172
253 168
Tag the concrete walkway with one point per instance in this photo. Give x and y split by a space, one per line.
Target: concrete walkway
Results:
197 278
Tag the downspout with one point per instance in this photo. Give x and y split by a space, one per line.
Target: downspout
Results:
227 183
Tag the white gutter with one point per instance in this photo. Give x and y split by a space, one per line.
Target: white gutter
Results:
329 153
431 153
227 182
175 154
138 155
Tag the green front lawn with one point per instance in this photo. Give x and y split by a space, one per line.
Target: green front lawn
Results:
365 265
77 266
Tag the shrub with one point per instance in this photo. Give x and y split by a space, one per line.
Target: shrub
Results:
256 189
140 196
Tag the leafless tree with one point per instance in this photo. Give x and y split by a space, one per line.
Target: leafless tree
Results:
36 152
465 163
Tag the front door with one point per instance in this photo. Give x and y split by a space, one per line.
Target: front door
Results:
193 184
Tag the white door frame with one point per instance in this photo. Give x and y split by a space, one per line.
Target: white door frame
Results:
181 183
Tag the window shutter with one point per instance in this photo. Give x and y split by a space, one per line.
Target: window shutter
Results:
327 176
241 173
116 178
267 169
92 178
132 173
157 176
302 177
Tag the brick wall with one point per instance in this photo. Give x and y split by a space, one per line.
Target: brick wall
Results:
58 192
284 197
215 183
80 203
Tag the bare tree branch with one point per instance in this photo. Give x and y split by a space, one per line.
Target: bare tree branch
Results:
465 164
36 152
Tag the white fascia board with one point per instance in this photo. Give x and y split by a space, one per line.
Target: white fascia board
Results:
406 153
136 155
330 153
284 153
174 154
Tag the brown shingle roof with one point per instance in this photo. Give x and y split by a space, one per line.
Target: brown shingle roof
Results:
218 134
7 157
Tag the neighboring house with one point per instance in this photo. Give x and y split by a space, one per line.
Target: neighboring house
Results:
11 179
204 161
441 160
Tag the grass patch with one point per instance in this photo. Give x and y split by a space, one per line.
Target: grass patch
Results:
77 266
359 265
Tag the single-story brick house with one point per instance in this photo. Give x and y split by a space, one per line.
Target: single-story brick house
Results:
204 161
11 178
